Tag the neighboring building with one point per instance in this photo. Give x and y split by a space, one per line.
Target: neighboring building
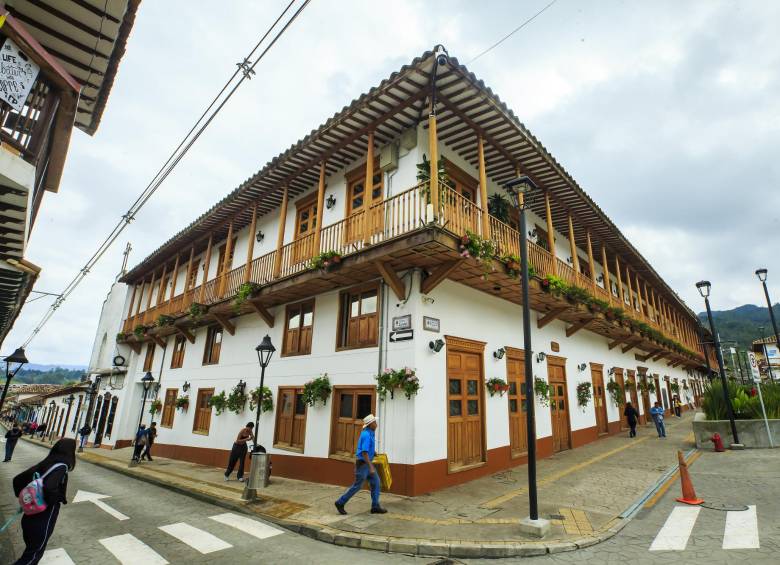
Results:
59 63
768 356
402 294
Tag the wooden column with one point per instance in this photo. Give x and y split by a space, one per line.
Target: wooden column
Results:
656 314
206 270
175 276
140 297
591 262
161 290
621 293
630 290
151 290
647 299
132 302
550 232
189 270
639 294
280 237
605 265
226 260
483 198
368 190
433 149
251 247
320 203
575 261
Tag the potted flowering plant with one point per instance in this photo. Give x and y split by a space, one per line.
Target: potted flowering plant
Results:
542 391
496 386
155 406
584 394
483 250
328 261
182 403
616 392
164 320
318 389
267 402
390 379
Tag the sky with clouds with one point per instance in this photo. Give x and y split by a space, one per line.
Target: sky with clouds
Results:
665 112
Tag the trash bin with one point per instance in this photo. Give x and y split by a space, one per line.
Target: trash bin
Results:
259 471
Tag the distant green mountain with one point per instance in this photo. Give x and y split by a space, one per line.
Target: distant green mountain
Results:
742 323
56 376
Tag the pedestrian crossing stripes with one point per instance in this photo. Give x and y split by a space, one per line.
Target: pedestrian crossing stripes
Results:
197 539
129 550
740 532
247 525
56 557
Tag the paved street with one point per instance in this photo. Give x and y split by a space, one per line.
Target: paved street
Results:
145 524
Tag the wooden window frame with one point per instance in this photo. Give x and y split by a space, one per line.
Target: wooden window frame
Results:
149 358
208 350
169 408
296 393
177 357
308 201
221 250
196 419
342 329
192 275
460 180
286 352
335 405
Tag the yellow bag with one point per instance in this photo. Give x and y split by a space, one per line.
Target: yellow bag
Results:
382 466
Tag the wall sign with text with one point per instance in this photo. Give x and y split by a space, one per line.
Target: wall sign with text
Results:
17 75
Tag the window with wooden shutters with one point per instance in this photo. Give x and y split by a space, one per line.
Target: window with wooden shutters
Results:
177 359
350 406
149 359
541 237
290 419
298 329
222 251
111 416
461 182
169 408
356 202
305 226
213 345
359 320
192 276
202 421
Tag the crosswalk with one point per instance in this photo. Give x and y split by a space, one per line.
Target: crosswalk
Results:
740 530
129 550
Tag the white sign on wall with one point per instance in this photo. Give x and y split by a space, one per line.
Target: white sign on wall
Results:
17 75
772 352
754 367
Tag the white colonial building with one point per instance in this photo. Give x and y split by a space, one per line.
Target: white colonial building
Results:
348 251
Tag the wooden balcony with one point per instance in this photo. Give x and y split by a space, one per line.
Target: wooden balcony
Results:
397 234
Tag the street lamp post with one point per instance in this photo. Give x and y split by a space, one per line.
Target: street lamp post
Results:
147 381
704 290
15 357
69 402
704 348
52 418
761 274
91 392
766 353
518 189
265 351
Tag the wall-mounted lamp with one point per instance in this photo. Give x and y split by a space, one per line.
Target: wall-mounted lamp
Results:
330 202
600 278
437 345
611 371
541 356
532 234
186 386
499 353
241 386
581 367
569 260
260 236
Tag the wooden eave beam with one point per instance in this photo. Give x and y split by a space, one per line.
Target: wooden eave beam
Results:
135 346
263 312
571 330
225 323
643 358
185 332
392 280
612 345
661 355
629 346
438 275
550 316
158 340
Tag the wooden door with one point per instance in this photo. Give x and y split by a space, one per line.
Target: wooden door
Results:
632 390
357 211
465 438
621 382
351 405
305 226
599 398
667 396
559 407
646 398
657 389
515 373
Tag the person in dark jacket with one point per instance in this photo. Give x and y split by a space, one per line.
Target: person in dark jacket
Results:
84 432
141 437
11 437
41 430
631 416
37 528
238 451
151 435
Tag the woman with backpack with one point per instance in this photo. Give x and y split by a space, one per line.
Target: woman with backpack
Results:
37 524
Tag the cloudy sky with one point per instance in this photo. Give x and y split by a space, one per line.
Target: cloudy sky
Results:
666 113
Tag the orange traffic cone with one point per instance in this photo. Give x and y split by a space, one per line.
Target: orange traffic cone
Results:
688 494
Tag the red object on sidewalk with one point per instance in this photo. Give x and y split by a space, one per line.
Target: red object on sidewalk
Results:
688 493
718 442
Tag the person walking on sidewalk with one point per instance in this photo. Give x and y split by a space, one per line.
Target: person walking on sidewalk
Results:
84 433
677 406
631 416
151 435
41 430
32 428
11 437
140 442
658 418
364 468
37 528
238 452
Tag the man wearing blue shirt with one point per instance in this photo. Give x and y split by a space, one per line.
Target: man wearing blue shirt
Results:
364 468
657 414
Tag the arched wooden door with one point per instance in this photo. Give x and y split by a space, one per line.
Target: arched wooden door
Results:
515 372
465 404
599 398
559 404
618 374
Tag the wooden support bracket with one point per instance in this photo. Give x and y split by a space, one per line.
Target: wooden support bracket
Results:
660 355
629 346
438 275
673 364
225 323
186 333
617 342
263 313
644 358
571 330
135 346
550 316
392 280
158 340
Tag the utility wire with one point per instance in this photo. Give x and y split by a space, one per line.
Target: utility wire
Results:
246 69
511 33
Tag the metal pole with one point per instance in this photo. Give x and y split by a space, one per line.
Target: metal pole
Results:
529 371
259 404
763 411
5 388
723 382
768 363
771 316
704 347
143 403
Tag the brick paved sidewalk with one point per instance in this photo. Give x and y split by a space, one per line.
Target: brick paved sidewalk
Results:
583 491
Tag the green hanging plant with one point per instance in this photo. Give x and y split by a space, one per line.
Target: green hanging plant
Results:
318 389
617 393
584 394
512 263
197 310
424 175
140 330
218 402
496 386
542 391
498 207
327 260
182 403
236 400
244 293
390 379
675 388
121 336
155 406
164 320
483 250
267 403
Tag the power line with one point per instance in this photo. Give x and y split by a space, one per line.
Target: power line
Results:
243 68
511 33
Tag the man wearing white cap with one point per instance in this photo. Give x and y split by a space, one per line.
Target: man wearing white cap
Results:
364 468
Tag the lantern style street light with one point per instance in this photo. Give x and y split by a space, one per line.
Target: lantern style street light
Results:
704 290
264 353
147 382
69 402
761 274
52 421
518 189
18 358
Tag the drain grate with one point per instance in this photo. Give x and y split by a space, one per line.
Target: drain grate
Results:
557 517
446 561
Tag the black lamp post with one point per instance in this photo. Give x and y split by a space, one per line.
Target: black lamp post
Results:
766 353
704 348
147 381
517 189
91 392
52 417
264 352
761 274
69 402
15 357
704 290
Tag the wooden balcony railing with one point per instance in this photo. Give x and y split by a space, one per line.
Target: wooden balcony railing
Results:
27 130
